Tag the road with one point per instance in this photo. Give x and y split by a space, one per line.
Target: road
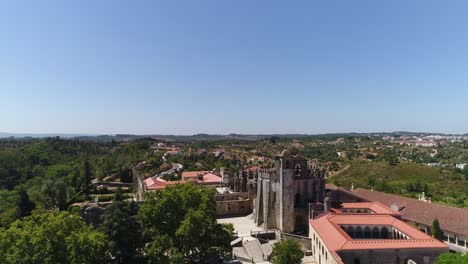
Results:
139 188
175 167
139 180
336 172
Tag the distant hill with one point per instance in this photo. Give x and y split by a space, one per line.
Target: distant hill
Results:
32 135
212 137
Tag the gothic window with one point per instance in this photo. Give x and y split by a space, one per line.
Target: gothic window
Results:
287 165
297 170
358 232
375 232
367 232
384 233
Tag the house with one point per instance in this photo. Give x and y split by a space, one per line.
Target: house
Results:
152 184
193 175
173 152
201 151
218 152
211 179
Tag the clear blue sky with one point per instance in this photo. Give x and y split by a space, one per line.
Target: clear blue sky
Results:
184 67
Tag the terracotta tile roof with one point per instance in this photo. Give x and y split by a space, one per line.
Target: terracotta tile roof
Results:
333 236
193 174
376 207
393 244
336 239
211 178
156 184
451 219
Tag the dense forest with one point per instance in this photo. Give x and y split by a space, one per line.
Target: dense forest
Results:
55 173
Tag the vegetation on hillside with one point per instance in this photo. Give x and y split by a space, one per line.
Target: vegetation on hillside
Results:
452 258
407 179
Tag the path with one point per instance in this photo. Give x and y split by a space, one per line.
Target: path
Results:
340 171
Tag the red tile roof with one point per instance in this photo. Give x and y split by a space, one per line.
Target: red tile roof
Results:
376 207
211 178
451 219
193 174
156 184
336 239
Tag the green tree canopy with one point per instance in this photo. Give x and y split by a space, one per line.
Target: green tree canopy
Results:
123 231
51 237
180 221
287 252
452 258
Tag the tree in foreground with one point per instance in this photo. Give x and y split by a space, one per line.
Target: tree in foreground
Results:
123 230
181 227
56 237
452 258
287 252
437 233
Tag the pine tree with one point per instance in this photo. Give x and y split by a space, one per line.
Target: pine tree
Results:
436 231
24 206
86 178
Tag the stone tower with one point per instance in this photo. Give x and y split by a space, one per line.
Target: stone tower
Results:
286 193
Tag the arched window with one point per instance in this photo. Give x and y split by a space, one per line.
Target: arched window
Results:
358 232
287 165
367 232
350 231
297 170
375 232
384 233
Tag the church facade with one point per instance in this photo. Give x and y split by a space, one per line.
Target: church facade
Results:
288 194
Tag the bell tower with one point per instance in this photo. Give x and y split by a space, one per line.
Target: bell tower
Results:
299 186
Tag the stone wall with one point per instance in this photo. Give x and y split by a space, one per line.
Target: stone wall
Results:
233 204
305 242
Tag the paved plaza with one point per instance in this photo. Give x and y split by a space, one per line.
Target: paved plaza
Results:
242 225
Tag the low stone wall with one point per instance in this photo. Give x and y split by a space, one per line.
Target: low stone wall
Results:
305 242
233 204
